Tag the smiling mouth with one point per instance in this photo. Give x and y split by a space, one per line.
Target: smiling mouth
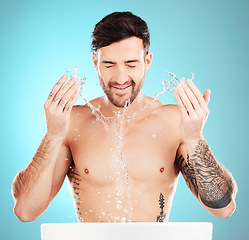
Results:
122 88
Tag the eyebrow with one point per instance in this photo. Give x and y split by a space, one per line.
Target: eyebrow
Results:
109 62
128 61
132 61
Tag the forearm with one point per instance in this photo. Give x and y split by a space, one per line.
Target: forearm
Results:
32 186
214 184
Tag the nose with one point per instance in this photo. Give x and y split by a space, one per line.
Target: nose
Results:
121 76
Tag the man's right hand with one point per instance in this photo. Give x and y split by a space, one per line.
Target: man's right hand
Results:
59 105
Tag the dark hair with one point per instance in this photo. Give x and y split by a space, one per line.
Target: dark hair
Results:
118 26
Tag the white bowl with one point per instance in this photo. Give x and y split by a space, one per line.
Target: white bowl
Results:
120 231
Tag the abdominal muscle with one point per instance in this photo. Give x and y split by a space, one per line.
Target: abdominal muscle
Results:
112 201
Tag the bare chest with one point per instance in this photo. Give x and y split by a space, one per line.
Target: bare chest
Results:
145 151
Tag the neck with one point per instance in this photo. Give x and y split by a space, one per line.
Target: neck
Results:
109 110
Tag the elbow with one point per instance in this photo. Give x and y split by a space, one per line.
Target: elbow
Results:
227 211
23 216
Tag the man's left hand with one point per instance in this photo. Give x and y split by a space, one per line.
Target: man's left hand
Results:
194 110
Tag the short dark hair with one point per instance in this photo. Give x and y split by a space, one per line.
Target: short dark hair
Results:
118 26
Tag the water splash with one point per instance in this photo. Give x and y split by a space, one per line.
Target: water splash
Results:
168 85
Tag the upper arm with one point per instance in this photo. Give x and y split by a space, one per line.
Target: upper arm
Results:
186 167
61 168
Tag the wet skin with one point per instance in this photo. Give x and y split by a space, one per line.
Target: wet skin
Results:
150 142
159 142
152 147
149 145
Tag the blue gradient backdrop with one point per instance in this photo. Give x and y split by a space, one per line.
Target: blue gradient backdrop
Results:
40 39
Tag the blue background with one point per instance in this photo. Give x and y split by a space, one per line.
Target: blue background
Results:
40 39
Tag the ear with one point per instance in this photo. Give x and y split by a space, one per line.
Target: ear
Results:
148 60
95 60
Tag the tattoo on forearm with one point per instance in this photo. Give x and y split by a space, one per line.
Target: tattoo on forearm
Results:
206 177
187 169
161 217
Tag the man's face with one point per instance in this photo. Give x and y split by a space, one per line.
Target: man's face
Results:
121 68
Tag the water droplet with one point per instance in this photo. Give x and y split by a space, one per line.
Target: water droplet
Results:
126 211
119 207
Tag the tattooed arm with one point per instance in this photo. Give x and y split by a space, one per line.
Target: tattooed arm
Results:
209 181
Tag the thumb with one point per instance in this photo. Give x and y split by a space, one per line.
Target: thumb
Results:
206 95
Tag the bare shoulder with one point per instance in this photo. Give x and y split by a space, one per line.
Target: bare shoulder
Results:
80 117
79 112
171 118
171 111
82 113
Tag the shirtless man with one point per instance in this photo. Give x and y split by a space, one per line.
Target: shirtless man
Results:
130 172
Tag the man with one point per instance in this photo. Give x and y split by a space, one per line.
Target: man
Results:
130 172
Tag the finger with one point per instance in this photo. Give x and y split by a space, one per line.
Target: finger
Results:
67 96
56 87
180 104
191 96
206 95
68 107
58 98
66 87
197 93
185 100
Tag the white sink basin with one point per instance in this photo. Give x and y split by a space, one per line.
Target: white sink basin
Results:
120 231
